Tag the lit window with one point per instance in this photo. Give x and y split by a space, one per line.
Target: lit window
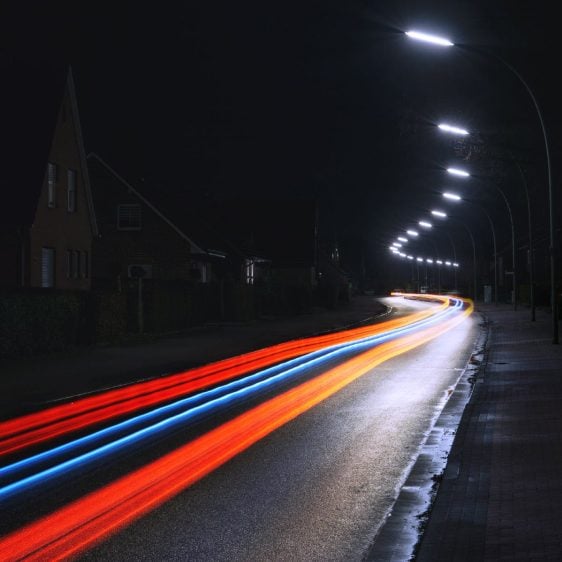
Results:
129 217
250 272
71 190
51 184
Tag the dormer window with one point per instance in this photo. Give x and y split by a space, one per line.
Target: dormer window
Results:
129 217
51 184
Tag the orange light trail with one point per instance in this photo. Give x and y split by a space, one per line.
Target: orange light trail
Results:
35 428
88 520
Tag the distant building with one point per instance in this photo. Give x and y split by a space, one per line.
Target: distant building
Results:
47 220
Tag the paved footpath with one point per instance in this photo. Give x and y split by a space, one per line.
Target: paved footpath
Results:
500 497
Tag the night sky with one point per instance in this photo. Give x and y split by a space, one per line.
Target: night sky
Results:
307 99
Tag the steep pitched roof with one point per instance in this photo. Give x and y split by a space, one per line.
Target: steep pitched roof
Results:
30 99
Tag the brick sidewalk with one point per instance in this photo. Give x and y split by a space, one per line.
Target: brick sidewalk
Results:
501 493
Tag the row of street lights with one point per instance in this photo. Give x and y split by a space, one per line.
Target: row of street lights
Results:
446 43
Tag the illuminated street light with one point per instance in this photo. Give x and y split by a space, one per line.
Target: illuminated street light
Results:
439 262
410 257
458 172
402 239
452 129
552 242
397 244
455 264
429 260
447 263
425 224
451 196
419 259
412 233
440 214
427 38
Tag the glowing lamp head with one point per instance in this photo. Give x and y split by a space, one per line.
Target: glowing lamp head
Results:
452 129
429 260
412 233
439 262
428 38
451 196
439 214
458 172
402 239
410 257
455 264
425 224
419 259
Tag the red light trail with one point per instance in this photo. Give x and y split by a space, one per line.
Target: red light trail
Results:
92 518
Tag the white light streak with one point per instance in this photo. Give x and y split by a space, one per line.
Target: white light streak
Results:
458 172
452 196
427 38
452 129
439 214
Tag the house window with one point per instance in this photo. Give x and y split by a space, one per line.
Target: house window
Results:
51 184
129 217
250 272
85 265
71 191
69 258
47 267
74 264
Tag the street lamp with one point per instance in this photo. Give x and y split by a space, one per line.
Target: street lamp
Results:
452 129
458 172
510 213
451 196
446 42
494 246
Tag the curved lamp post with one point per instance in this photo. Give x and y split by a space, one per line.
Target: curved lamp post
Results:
455 197
417 35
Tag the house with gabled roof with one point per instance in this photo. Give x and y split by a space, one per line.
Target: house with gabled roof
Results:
47 220
136 238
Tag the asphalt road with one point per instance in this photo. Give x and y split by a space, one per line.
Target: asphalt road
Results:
319 487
